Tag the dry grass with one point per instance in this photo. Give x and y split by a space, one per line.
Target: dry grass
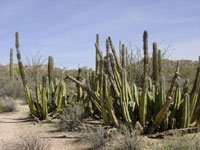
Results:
71 118
7 104
96 137
28 142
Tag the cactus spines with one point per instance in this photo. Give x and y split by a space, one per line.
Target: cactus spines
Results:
155 64
11 65
50 68
143 99
21 67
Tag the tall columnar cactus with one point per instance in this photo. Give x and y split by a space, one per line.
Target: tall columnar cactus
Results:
107 54
194 92
21 68
126 57
155 64
79 89
123 56
11 65
50 68
143 98
97 63
102 100
124 100
186 112
120 51
160 62
22 74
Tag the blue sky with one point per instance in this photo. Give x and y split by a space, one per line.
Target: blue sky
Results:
66 29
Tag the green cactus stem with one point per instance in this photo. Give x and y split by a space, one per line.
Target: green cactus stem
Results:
120 51
160 62
155 64
21 67
11 65
123 57
50 68
186 112
97 64
119 66
143 99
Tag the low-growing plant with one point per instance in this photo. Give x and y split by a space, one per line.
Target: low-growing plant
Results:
96 137
11 88
7 104
129 140
178 142
28 142
71 118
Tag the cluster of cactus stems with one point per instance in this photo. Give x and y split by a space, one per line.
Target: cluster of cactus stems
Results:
154 109
111 95
50 96
11 65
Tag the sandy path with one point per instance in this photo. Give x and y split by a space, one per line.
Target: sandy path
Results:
14 124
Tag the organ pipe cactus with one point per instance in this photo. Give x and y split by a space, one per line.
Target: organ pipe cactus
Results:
155 64
143 98
194 92
50 68
150 104
97 64
79 89
21 67
186 111
40 107
11 65
160 61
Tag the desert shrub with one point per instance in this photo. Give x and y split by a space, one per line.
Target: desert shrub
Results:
11 88
8 87
7 104
28 142
179 142
129 140
96 137
71 118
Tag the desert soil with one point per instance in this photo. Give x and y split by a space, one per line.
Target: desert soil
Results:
16 124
